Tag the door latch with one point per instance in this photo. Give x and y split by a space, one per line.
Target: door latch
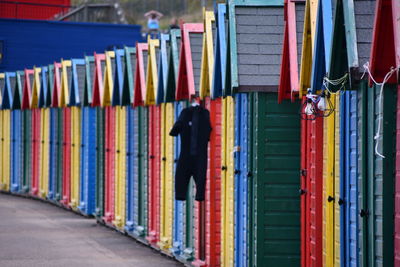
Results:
364 213
302 191
340 202
330 199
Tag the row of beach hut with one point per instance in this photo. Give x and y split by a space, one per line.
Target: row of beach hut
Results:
303 164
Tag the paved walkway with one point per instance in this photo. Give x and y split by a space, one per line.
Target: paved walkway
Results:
34 233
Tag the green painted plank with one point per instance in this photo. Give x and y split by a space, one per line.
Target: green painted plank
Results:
275 183
100 155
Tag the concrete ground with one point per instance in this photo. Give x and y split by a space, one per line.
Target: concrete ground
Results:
34 233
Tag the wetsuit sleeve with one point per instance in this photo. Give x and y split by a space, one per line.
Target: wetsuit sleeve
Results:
177 128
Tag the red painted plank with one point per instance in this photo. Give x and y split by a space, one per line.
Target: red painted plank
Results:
289 80
311 191
27 91
154 174
185 85
383 47
140 77
109 185
66 179
396 30
98 79
35 150
57 85
213 187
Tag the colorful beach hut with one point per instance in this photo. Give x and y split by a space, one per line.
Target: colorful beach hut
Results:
120 140
154 142
188 89
88 142
253 67
16 84
44 163
141 181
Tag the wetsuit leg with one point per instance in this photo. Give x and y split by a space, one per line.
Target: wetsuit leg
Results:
182 177
199 176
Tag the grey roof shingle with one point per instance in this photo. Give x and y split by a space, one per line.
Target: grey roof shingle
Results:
196 45
364 16
259 35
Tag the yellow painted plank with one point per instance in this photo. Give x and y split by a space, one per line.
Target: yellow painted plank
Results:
227 183
35 88
64 94
337 184
307 48
162 244
207 57
152 75
120 167
167 174
75 155
44 152
329 189
1 147
6 149
108 80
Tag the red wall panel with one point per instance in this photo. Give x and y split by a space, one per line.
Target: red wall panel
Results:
311 191
154 174
109 185
208 213
66 179
33 9
35 151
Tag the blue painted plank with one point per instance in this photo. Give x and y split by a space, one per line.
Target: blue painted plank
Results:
179 206
131 161
218 84
53 154
16 149
87 166
241 194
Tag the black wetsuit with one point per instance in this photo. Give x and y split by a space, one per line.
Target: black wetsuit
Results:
194 128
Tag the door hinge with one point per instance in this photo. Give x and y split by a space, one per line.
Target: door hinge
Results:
340 202
303 172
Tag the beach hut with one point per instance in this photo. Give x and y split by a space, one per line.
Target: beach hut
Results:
109 138
8 143
16 131
179 208
2 84
52 135
253 67
187 88
132 145
94 101
78 71
377 124
88 141
167 149
44 141
120 140
324 143
66 79
154 143
57 118
141 189
36 133
208 219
